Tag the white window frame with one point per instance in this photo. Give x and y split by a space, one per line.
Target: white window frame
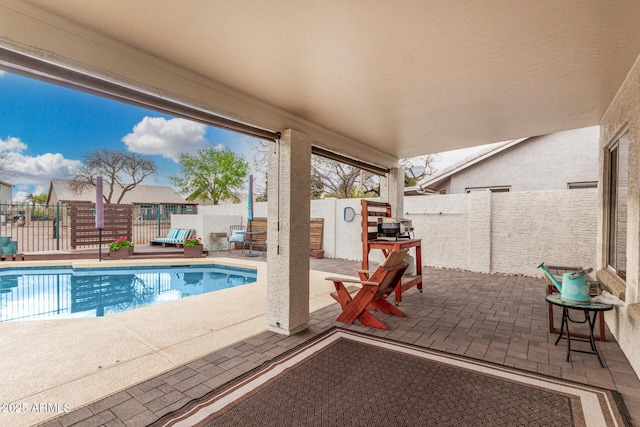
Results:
582 185
493 189
611 228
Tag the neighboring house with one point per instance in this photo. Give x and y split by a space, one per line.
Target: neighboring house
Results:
6 192
562 160
148 198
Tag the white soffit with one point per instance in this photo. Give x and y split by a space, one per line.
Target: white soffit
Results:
406 77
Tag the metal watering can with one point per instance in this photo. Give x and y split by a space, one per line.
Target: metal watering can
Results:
574 287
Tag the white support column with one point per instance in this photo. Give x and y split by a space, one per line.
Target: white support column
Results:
289 210
392 191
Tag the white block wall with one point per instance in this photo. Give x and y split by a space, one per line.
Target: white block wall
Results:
205 224
485 232
557 226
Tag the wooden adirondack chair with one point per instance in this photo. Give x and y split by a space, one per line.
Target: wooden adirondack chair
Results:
373 294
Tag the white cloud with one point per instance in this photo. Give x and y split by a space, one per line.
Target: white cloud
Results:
21 196
12 145
34 171
169 138
21 191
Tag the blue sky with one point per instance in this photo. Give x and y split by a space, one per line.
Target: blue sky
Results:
45 130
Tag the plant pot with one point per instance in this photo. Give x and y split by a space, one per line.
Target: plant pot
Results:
122 253
318 254
238 245
193 251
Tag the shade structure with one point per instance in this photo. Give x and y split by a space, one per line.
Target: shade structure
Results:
99 204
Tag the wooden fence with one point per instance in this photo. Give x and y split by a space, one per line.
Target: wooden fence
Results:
117 223
260 225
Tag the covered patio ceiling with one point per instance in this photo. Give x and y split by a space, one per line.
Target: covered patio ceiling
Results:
404 78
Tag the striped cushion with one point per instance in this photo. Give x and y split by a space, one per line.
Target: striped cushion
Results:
166 240
173 233
182 234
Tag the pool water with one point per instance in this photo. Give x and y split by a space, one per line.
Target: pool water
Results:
46 293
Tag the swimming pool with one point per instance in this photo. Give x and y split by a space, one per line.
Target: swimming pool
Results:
46 293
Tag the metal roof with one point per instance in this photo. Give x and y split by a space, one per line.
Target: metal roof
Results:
139 195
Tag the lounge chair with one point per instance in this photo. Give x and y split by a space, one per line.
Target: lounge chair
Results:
373 293
175 237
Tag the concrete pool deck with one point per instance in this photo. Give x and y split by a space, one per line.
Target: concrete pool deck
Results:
48 366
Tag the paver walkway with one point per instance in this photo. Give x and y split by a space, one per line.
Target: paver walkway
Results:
500 319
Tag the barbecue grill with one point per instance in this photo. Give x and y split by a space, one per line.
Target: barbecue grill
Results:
394 228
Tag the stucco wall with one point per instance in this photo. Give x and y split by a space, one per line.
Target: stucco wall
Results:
557 227
5 194
204 225
624 115
546 162
443 224
506 232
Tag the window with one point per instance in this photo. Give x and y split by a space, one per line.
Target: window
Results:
500 189
168 210
618 160
581 185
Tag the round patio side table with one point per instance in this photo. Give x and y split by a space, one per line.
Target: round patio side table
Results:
588 308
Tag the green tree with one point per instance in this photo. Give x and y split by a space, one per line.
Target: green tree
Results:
211 174
39 199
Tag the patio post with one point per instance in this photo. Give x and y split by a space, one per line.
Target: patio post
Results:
289 210
392 191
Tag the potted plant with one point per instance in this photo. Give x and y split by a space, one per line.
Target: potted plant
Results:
120 248
193 247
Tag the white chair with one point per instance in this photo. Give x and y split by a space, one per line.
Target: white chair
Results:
236 235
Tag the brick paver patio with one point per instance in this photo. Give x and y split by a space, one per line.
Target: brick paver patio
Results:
496 318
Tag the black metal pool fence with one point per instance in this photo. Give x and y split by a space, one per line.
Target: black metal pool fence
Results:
28 227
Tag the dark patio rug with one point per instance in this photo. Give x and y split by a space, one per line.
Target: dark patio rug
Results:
343 378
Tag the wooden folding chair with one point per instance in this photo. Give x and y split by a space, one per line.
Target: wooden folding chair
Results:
373 293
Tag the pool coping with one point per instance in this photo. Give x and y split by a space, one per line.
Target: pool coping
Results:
86 263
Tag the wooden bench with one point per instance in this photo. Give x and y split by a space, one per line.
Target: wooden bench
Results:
316 229
175 237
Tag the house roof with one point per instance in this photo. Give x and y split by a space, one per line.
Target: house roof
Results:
478 157
6 183
140 195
